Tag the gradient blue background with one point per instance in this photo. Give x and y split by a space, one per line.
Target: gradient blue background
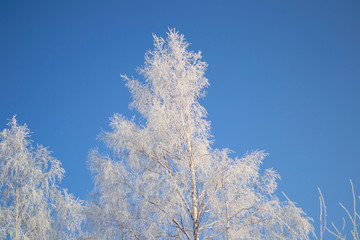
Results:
284 77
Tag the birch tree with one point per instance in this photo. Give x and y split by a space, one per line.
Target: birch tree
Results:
32 205
162 179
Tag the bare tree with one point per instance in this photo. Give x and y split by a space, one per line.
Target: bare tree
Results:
334 231
165 181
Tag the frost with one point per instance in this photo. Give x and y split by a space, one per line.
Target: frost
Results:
165 181
32 206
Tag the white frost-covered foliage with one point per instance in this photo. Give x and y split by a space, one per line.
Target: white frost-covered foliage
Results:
32 206
165 181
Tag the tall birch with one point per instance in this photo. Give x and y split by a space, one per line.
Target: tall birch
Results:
162 179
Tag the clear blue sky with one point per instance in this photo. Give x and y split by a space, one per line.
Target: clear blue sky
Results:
284 77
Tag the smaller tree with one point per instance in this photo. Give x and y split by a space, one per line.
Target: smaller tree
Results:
32 205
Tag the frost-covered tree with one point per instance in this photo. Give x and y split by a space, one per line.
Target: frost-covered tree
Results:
164 180
32 205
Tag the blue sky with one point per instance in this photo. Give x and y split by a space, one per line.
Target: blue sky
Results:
284 77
